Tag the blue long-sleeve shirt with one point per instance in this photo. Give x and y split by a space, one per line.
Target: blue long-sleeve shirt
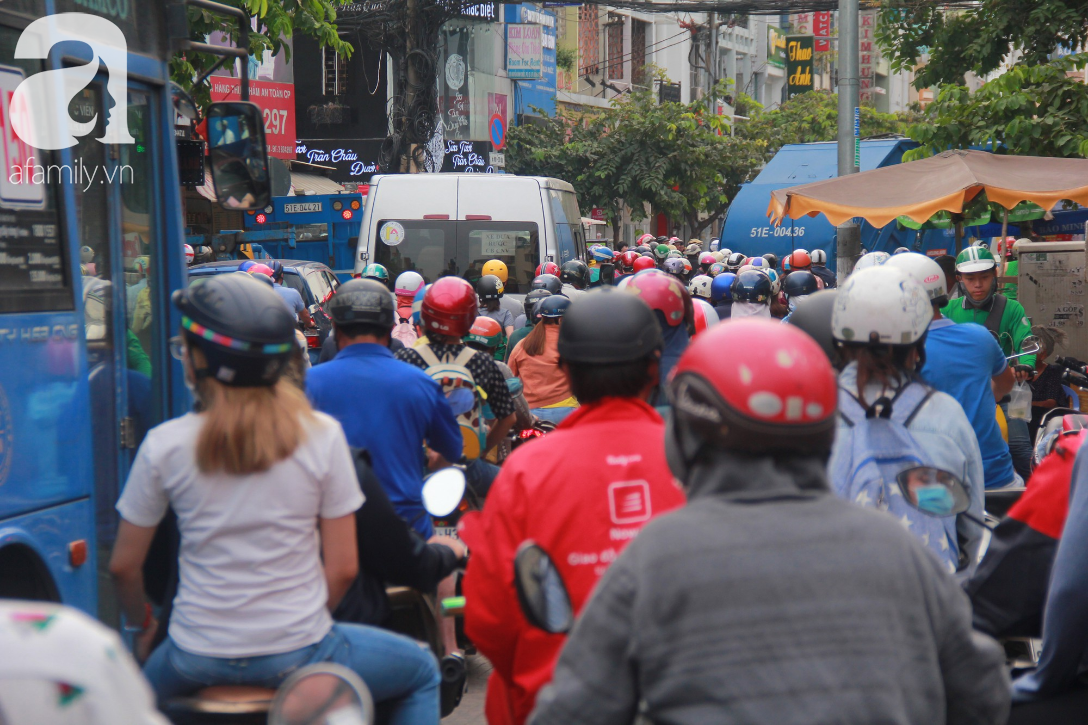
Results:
1065 618
389 408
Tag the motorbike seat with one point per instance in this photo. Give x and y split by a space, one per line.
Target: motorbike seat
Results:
223 703
998 502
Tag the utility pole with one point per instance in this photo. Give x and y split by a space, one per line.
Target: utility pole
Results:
712 62
848 235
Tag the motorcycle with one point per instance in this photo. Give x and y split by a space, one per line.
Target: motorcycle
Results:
312 695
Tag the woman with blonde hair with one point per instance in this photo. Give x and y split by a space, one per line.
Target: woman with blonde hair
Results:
264 490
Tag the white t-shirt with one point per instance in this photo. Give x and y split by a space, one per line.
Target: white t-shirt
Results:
251 577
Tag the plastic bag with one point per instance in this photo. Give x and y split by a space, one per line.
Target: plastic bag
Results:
1020 403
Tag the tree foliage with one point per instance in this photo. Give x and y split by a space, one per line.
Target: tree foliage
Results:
1031 110
276 20
673 158
812 117
977 39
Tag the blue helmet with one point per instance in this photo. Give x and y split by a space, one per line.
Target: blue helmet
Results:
417 306
752 286
277 270
552 308
602 254
721 287
674 266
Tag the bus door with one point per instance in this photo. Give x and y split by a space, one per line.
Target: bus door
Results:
119 236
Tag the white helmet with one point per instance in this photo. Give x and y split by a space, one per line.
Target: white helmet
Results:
757 262
776 281
881 306
924 270
872 259
407 284
699 286
714 244
818 256
725 252
189 254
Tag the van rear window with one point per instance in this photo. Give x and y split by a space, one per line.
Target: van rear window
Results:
439 248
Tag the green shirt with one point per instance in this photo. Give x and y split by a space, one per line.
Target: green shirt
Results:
519 334
1011 289
1014 326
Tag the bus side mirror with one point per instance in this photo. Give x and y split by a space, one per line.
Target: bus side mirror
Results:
239 156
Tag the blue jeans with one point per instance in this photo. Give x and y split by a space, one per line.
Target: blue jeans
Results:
1019 443
399 672
479 475
552 415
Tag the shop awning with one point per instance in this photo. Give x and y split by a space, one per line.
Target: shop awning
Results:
303 184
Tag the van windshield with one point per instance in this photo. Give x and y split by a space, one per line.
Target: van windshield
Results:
440 247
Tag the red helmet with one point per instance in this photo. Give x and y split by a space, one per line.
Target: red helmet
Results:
449 307
661 292
642 263
705 316
547 268
628 259
799 260
752 385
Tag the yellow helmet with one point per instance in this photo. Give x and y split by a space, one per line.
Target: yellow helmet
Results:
496 268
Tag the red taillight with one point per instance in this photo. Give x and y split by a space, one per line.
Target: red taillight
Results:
436 216
530 433
478 217
313 341
346 213
77 553
260 218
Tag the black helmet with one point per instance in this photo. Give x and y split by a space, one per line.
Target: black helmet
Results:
751 286
642 249
675 267
489 287
532 298
800 283
363 301
241 326
553 307
549 282
608 327
772 260
575 273
813 315
277 269
734 261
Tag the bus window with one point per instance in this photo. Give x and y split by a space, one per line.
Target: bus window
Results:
426 246
34 273
568 226
513 243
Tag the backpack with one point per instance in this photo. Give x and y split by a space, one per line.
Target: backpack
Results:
465 397
404 330
882 447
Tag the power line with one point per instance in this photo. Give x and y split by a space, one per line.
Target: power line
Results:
649 48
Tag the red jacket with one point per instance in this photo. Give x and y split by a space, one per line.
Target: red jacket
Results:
582 493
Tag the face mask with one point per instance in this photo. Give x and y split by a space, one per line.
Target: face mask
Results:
750 309
935 499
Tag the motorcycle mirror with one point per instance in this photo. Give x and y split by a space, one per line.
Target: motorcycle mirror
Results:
933 492
322 693
542 593
184 103
239 155
443 491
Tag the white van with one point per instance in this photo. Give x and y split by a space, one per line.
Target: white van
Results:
443 224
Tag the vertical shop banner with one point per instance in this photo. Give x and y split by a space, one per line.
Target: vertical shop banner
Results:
454 104
496 106
538 93
799 54
776 47
524 51
821 28
868 56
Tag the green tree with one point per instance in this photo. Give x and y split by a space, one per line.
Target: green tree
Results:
812 117
276 20
673 158
977 39
1031 110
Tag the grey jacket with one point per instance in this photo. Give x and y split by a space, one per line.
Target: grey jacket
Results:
768 600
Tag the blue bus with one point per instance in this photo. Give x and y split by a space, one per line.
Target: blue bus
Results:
91 246
318 228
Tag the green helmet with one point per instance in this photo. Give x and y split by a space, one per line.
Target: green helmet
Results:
375 271
486 332
661 251
975 259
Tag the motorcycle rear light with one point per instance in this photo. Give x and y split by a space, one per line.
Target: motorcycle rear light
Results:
77 553
530 433
313 341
